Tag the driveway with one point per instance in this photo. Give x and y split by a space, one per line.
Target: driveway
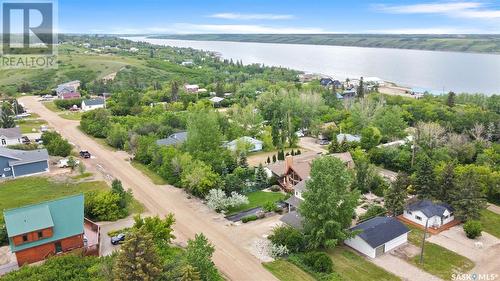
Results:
487 258
310 143
232 259
105 246
494 208
403 269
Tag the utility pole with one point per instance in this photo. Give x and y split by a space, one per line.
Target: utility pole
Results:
423 242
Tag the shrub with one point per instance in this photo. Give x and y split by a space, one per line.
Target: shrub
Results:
289 237
270 207
276 251
319 262
373 211
67 104
275 188
249 218
104 206
3 233
473 228
55 144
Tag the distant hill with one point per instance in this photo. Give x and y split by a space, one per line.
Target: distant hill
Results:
458 43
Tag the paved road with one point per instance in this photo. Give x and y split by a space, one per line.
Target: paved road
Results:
231 258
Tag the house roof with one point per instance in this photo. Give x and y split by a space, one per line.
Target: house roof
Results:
216 99
173 139
24 156
294 201
70 95
301 186
293 219
11 133
65 215
348 137
345 157
245 139
380 230
96 101
429 208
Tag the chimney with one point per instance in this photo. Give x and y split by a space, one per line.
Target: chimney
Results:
288 163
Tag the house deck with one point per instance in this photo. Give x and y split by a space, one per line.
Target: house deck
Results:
431 230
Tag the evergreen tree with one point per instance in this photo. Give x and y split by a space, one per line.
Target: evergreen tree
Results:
468 200
446 183
364 174
281 155
243 160
189 273
425 179
138 259
298 152
174 89
268 161
328 204
219 89
260 177
6 118
361 89
450 100
396 194
274 158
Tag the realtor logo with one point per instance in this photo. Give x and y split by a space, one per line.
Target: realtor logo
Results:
28 37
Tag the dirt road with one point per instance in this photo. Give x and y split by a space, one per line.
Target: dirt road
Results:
231 258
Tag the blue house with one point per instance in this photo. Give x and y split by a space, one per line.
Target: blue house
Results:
18 163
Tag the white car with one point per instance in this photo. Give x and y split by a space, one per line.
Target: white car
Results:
63 163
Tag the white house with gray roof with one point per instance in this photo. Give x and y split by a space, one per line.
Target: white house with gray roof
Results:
377 236
18 163
10 136
91 104
423 211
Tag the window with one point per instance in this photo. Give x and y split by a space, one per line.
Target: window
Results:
418 218
25 238
445 217
409 212
40 234
4 142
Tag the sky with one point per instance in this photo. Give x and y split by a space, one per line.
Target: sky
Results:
278 16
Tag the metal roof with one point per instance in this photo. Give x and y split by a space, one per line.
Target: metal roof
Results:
380 230
429 208
293 219
24 156
173 139
66 215
96 101
11 133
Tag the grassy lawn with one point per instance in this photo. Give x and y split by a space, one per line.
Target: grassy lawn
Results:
352 267
71 115
30 190
258 199
286 271
51 106
27 126
491 222
438 261
82 176
155 178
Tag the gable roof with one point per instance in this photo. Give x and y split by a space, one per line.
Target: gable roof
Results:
11 133
429 208
173 139
348 138
24 156
245 139
65 215
293 219
216 99
380 230
96 101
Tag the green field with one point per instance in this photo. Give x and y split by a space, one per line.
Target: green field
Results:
258 199
456 43
28 125
286 271
23 191
438 261
51 106
491 222
352 267
155 178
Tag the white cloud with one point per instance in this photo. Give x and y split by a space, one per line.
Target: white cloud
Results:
239 16
463 9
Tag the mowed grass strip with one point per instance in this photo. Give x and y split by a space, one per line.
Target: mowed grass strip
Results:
30 190
154 177
491 222
287 271
258 199
353 267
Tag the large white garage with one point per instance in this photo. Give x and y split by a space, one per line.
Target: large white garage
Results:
378 236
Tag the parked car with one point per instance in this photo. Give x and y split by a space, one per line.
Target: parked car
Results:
115 240
85 154
44 128
25 140
39 141
324 142
63 163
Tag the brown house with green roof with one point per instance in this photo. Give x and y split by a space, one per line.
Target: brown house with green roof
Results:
41 230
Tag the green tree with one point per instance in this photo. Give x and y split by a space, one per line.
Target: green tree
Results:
72 163
138 259
199 253
390 122
360 92
370 137
198 178
96 122
117 136
103 206
425 180
450 100
7 120
468 200
261 177
161 230
58 147
364 171
329 203
446 183
189 273
396 194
